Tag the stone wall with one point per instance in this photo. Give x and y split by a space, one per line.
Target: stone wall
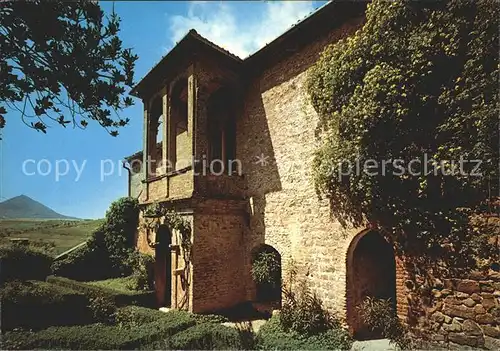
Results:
465 311
278 125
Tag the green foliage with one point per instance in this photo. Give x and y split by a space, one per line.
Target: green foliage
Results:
418 78
119 228
36 304
142 277
120 297
485 240
272 336
380 316
109 250
103 308
266 268
173 220
97 336
207 336
210 318
132 316
22 262
84 263
121 284
63 61
303 312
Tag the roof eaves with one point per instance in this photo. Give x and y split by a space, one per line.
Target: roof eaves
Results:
190 34
135 89
290 29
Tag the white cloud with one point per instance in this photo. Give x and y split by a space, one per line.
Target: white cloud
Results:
227 25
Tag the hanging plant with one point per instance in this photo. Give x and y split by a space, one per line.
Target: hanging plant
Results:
153 211
177 222
266 269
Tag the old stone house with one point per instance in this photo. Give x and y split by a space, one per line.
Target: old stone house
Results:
202 103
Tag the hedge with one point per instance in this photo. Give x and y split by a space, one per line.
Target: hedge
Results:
36 304
207 336
120 298
272 337
137 315
99 336
21 262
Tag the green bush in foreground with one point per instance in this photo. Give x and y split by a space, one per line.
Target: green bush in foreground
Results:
303 312
379 315
100 336
130 316
22 262
110 251
120 297
207 336
271 336
210 318
36 305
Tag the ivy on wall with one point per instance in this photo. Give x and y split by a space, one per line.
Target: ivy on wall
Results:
419 81
154 215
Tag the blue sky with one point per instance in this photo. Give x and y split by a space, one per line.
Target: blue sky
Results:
151 29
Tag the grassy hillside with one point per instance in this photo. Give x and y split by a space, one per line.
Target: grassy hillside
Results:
63 233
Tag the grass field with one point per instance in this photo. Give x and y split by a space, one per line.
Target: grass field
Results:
63 233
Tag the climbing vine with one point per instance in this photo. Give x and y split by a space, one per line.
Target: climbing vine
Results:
418 82
155 215
172 219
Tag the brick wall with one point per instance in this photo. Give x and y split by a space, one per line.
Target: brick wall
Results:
217 260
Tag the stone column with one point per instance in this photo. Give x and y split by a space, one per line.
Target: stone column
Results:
164 129
192 99
145 150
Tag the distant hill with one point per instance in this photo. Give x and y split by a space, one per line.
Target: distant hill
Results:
25 207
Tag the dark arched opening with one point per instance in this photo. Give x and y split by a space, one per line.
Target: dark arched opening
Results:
163 266
371 272
266 273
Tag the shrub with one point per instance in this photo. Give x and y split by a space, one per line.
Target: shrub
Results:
87 263
99 336
120 297
107 252
266 268
119 230
272 336
302 312
35 304
103 308
130 316
266 273
207 336
210 318
21 262
142 266
380 316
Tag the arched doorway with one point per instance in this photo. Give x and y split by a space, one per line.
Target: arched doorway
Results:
371 272
266 273
163 266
